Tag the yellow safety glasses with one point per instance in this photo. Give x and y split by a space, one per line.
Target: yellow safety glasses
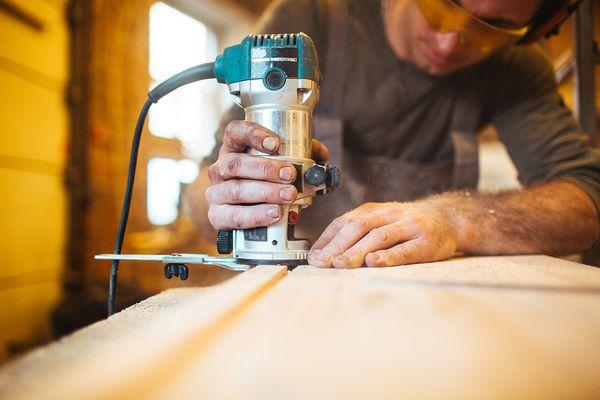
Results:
447 16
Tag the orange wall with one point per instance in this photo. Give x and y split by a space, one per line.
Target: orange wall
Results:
33 135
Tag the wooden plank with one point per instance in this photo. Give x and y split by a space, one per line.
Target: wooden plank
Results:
33 220
343 334
44 52
33 216
120 359
486 327
37 122
534 272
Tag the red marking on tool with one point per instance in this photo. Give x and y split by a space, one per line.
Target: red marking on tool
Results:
293 217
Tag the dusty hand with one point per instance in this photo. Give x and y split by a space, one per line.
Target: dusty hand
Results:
238 178
386 234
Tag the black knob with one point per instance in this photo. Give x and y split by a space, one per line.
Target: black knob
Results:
334 176
224 242
180 270
274 79
316 175
184 272
169 271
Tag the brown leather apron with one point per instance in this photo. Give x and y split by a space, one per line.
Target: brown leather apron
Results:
368 178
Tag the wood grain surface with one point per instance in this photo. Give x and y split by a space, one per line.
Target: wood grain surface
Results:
487 327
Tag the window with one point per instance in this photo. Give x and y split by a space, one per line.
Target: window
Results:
185 119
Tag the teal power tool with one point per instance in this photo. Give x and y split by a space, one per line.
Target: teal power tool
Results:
275 78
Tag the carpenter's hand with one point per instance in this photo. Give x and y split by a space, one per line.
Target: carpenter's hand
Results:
238 178
386 234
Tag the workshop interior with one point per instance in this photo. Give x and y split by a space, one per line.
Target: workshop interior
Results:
77 75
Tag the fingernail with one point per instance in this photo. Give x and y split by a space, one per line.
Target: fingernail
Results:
273 212
286 173
317 259
375 258
286 193
269 143
340 262
341 258
323 256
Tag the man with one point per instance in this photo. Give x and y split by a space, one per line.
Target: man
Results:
408 87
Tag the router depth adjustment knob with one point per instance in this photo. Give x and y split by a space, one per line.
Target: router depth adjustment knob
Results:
315 175
334 176
224 242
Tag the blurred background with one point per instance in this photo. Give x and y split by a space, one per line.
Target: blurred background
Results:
73 76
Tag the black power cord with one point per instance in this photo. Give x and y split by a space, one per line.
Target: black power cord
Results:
194 74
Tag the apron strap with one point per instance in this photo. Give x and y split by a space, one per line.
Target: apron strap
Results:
332 92
329 114
463 134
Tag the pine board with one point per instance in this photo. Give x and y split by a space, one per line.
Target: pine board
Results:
482 327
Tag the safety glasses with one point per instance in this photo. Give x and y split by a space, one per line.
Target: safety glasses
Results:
447 16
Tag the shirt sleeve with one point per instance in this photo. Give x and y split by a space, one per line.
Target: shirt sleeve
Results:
540 133
282 16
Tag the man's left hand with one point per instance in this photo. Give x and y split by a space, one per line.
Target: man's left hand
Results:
386 234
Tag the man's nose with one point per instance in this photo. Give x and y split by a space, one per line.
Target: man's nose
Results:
447 42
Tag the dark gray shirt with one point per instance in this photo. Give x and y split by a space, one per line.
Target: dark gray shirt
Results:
396 110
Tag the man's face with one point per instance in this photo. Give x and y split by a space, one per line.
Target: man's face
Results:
440 53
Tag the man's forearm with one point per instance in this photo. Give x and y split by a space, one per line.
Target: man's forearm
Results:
556 218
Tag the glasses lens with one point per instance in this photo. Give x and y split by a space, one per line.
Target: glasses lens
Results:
447 16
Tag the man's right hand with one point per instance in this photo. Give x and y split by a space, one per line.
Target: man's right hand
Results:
238 178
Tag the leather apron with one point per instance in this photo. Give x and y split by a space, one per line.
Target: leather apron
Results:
367 178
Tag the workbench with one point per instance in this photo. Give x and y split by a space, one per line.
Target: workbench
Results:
468 328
